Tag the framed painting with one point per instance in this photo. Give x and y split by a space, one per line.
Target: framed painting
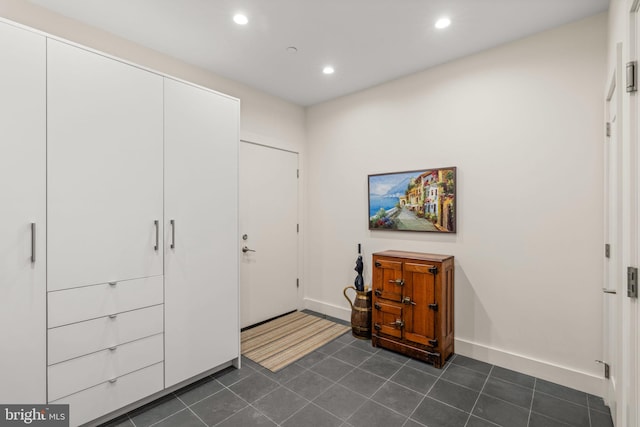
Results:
420 200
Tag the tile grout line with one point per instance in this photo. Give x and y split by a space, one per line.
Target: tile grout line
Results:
564 400
167 417
309 401
336 382
533 395
589 411
429 391
333 383
479 394
191 410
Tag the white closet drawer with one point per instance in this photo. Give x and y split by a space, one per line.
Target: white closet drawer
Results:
78 339
90 302
106 397
83 372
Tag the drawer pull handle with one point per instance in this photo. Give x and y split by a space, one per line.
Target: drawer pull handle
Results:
114 348
113 380
157 225
113 283
113 316
33 242
173 234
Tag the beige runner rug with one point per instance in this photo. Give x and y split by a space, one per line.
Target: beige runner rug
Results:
284 340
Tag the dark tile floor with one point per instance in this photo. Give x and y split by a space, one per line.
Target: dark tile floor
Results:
349 383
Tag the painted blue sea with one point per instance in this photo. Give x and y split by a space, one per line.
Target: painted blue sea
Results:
375 203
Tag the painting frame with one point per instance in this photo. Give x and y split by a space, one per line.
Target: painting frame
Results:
422 200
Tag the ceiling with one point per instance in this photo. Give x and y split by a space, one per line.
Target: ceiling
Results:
368 42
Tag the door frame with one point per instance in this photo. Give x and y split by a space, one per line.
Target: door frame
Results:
275 144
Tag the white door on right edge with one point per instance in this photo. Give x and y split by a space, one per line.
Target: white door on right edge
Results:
268 232
612 269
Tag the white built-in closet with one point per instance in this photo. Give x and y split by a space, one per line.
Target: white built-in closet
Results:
127 285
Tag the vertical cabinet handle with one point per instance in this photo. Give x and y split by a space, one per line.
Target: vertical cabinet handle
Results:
33 242
155 248
173 234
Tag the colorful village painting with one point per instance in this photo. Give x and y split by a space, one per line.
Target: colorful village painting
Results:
422 200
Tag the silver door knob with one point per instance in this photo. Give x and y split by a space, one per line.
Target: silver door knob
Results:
246 249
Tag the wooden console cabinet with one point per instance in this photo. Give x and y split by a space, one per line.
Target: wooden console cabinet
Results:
413 304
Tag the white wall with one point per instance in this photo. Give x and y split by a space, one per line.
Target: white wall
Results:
523 124
264 118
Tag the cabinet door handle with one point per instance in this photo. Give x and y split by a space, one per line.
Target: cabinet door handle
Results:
398 282
398 324
113 380
33 242
157 225
173 234
407 300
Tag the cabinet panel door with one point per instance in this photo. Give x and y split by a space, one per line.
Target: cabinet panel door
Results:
420 288
201 198
387 319
387 279
104 169
22 194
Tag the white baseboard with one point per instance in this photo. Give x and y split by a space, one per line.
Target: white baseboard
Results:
563 375
328 309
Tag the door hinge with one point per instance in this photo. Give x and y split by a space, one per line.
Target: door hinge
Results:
632 85
434 307
606 368
297 283
378 264
433 270
607 250
377 327
376 306
608 129
297 228
632 282
297 173
433 343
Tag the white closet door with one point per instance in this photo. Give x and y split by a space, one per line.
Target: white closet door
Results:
201 249
104 169
22 195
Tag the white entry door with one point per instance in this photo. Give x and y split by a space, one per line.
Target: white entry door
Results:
612 269
268 232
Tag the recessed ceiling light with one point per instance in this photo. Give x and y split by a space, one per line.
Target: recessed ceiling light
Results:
328 69
240 19
443 22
